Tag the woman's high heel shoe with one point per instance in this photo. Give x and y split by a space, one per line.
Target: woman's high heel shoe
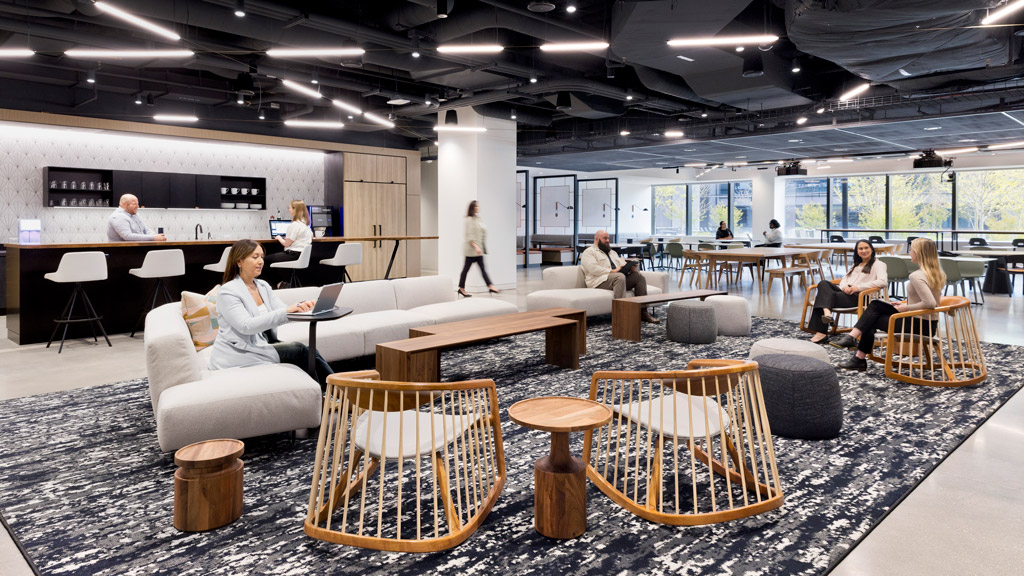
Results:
463 293
493 290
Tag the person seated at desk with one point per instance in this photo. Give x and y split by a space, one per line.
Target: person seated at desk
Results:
248 312
125 224
601 269
773 236
924 291
723 232
867 272
297 236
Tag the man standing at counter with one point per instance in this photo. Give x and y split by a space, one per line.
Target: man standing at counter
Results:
126 225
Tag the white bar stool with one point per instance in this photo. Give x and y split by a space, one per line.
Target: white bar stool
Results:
221 264
348 254
79 267
159 264
295 265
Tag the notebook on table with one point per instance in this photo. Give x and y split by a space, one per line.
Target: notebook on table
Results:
325 303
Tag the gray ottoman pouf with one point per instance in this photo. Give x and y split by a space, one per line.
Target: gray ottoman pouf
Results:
801 396
789 346
732 314
691 322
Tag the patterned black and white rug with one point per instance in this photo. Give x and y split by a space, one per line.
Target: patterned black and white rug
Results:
85 487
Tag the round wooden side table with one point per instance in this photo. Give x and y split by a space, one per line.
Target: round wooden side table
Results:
560 480
208 485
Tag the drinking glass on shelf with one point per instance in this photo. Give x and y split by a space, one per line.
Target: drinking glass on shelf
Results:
53 184
63 201
92 202
74 201
64 184
106 185
74 185
106 201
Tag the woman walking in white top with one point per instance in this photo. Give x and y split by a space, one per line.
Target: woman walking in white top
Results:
297 236
474 248
867 272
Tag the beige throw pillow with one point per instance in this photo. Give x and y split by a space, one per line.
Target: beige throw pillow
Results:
200 314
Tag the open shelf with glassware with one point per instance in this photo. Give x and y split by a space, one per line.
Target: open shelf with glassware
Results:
77 187
243 193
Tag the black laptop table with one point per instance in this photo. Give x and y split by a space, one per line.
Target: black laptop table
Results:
339 312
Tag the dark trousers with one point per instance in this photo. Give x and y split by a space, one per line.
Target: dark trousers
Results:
275 275
876 317
470 260
297 354
828 296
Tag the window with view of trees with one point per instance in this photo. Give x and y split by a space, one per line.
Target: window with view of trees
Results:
805 206
919 201
990 200
742 208
670 209
858 202
709 205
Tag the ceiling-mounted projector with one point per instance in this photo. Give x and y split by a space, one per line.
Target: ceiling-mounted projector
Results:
791 169
929 159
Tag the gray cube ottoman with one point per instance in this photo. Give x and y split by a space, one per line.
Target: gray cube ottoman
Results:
691 322
801 396
789 346
732 314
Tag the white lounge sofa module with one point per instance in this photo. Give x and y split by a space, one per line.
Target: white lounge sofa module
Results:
193 403
566 287
385 310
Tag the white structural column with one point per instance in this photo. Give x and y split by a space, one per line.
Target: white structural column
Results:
477 166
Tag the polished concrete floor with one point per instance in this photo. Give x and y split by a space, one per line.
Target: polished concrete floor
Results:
967 517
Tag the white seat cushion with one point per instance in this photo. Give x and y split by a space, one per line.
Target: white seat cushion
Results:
466 309
335 339
238 403
594 301
677 425
398 431
384 326
419 291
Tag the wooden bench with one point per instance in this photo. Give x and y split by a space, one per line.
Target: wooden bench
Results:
558 254
418 359
626 311
535 257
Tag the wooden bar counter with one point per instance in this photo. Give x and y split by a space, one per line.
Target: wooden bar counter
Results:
33 302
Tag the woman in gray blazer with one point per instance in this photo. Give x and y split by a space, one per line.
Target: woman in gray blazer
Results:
248 313
474 248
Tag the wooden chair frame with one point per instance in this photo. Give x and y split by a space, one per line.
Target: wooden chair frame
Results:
731 471
452 498
951 357
863 299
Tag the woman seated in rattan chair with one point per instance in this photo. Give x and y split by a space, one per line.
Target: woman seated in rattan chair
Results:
868 272
924 291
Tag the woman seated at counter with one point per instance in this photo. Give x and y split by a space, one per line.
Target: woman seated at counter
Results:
297 236
867 272
248 313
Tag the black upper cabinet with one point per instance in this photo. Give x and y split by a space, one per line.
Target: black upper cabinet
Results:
155 190
208 191
126 182
182 191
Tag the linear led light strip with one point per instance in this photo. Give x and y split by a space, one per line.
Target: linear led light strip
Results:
343 105
470 49
294 52
1017 144
15 52
174 118
1005 11
852 93
460 129
76 53
722 41
573 46
145 24
313 124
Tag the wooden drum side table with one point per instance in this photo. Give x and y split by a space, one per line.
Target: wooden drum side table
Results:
208 485
560 480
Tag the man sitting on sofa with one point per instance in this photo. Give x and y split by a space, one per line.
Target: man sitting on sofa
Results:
601 269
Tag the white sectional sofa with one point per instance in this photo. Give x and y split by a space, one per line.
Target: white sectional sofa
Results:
193 403
385 310
565 287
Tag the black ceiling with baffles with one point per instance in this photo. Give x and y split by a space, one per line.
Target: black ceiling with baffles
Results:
935 76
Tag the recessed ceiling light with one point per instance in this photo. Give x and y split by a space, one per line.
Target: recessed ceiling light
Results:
795 141
673 133
685 58
571 8
741 157
539 162
801 120
934 128
820 110
624 133
840 149
689 149
739 48
968 140
398 101
904 72
660 163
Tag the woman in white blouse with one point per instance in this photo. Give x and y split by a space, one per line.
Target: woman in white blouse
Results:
297 236
773 236
867 272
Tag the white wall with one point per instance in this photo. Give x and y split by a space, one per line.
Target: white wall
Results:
477 166
428 216
25 149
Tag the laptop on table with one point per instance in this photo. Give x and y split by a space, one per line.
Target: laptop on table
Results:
326 302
